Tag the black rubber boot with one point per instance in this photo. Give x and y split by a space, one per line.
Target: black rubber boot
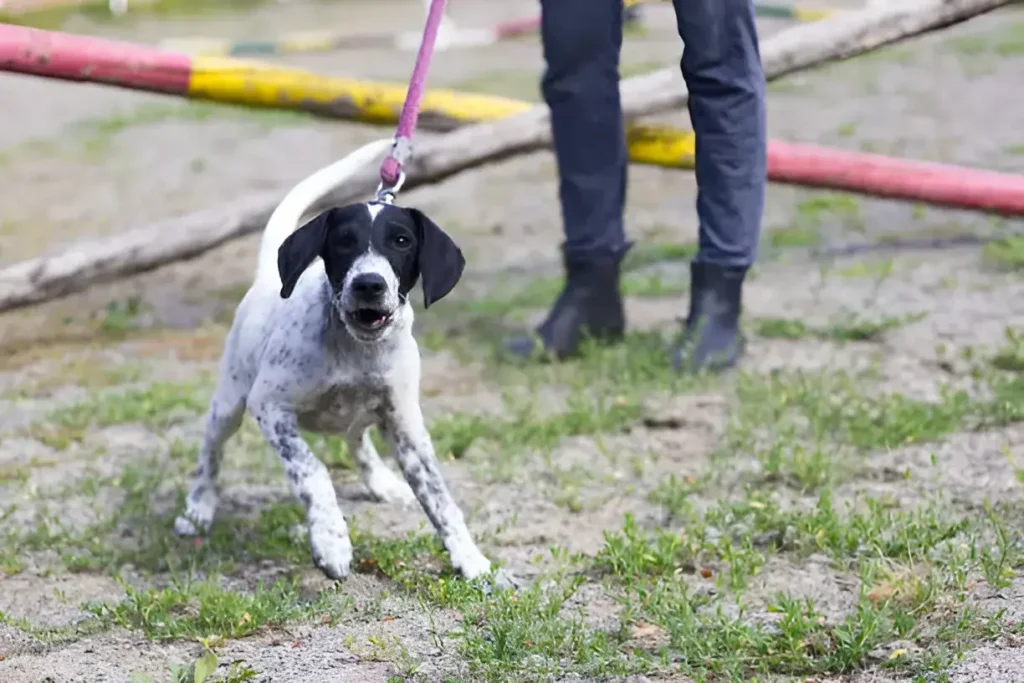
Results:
712 339
590 306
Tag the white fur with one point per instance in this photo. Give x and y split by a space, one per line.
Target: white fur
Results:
288 214
294 364
372 262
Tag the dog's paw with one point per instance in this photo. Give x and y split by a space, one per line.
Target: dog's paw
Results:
476 567
187 527
332 550
501 580
200 507
472 564
387 487
184 527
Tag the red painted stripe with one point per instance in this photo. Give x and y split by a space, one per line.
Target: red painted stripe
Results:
874 174
81 58
517 27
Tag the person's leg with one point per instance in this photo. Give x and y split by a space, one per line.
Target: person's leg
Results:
581 40
721 64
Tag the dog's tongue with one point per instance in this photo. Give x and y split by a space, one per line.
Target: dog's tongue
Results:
372 318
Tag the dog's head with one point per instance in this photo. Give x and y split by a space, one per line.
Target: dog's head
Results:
373 254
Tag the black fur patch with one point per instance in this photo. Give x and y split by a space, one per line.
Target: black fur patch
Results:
413 244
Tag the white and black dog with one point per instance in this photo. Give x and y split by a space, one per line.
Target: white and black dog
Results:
323 341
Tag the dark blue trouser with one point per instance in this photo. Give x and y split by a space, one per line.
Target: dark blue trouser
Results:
721 65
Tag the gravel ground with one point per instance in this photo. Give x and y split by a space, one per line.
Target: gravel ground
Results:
101 395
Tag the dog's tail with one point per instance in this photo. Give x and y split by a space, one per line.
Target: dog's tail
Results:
303 196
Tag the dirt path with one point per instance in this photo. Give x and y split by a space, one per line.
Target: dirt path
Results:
847 507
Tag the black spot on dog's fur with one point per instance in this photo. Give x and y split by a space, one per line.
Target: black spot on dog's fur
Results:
413 244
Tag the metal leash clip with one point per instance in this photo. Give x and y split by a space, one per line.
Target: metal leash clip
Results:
386 195
401 152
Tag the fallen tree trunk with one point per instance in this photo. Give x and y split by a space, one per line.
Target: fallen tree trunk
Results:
802 47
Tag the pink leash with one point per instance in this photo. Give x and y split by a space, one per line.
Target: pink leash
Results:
391 174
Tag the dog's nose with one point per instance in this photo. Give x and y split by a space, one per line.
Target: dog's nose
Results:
369 286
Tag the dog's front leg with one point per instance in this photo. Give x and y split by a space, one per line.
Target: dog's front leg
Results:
414 449
311 483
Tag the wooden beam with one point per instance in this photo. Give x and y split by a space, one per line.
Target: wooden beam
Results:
807 45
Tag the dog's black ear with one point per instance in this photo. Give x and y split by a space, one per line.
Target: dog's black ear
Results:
440 260
298 251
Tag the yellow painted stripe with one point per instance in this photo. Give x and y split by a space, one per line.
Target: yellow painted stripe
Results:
309 41
259 84
661 146
267 85
799 13
811 14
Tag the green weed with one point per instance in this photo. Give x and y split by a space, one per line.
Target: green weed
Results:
157 407
1006 253
525 429
529 635
191 608
1011 356
848 328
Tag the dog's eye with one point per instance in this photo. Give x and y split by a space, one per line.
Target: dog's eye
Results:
346 241
401 242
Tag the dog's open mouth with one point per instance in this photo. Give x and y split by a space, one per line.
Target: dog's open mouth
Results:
370 318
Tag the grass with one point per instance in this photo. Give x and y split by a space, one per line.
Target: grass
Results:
1011 356
681 591
1006 253
51 635
1008 41
95 137
157 406
540 292
529 636
821 207
202 668
190 608
794 236
915 569
847 328
880 269
847 130
133 524
163 404
85 371
818 211
538 631
835 408
527 428
807 489
522 84
808 432
267 536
